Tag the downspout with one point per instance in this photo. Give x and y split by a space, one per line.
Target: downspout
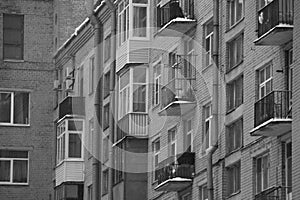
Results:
215 102
112 8
97 140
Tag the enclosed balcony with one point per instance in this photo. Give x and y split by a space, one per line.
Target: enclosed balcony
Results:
272 115
177 96
176 175
275 23
72 106
133 124
175 18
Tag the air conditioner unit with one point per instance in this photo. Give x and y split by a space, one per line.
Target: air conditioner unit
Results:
56 85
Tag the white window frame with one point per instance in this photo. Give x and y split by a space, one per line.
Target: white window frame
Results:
263 84
156 152
66 133
201 194
208 36
172 141
157 83
288 194
131 11
12 99
189 133
91 74
262 173
11 160
129 92
207 119
233 13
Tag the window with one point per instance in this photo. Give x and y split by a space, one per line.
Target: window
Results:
234 133
263 3
234 178
105 148
288 168
107 48
203 193
209 31
91 136
118 160
123 21
105 182
140 18
236 48
91 75
157 83
69 145
156 150
190 62
106 84
207 126
172 142
14 108
90 192
13 167
106 117
68 191
262 173
133 82
13 36
289 66
187 196
265 80
188 130
236 11
234 94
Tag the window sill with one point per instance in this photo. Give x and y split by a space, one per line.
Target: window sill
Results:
235 66
15 125
233 109
13 61
14 184
234 151
233 194
234 25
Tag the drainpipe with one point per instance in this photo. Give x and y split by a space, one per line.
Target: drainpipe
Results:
215 102
97 140
112 104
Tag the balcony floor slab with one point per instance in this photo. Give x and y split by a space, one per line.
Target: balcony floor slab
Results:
272 128
174 184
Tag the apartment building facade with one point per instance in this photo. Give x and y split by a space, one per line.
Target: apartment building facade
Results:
26 128
162 115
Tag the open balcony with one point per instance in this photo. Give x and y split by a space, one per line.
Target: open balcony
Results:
275 23
175 18
272 115
72 106
133 124
176 176
272 193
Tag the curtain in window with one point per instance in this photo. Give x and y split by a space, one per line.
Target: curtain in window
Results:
139 21
20 171
21 105
139 98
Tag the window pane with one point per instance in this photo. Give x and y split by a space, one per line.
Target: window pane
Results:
74 146
5 104
13 21
139 98
139 75
21 107
74 125
140 1
13 37
124 80
4 171
139 21
20 171
71 191
13 154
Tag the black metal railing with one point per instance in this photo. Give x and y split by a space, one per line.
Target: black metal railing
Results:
174 9
274 105
275 13
273 193
71 106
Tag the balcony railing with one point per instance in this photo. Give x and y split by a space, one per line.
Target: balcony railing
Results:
182 9
273 193
175 171
72 106
273 106
132 124
277 14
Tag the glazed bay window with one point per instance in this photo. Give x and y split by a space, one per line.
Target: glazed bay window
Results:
123 21
236 11
133 91
69 135
13 167
234 134
236 48
234 91
14 108
262 173
140 18
13 36
234 178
